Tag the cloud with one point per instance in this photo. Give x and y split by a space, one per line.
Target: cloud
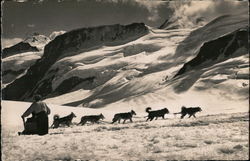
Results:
31 25
152 6
7 42
188 11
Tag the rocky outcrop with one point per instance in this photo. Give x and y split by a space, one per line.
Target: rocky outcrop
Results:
38 78
219 50
69 84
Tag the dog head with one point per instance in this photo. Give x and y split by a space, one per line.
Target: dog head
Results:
198 109
183 107
133 112
166 110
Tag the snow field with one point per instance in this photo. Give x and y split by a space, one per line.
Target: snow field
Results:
221 136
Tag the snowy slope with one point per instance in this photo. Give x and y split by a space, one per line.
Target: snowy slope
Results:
15 66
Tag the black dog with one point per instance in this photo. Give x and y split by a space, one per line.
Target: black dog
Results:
125 116
157 113
67 120
91 118
191 111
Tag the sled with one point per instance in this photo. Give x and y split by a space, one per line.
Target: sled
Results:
30 126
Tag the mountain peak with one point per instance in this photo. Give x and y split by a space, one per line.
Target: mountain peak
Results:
37 40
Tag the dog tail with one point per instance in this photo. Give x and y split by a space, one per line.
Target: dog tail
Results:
56 117
148 109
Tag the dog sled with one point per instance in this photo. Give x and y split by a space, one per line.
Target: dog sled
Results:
30 126
37 124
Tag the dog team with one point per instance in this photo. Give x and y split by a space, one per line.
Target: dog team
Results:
39 122
67 120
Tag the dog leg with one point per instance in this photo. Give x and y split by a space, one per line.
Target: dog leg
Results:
84 122
183 115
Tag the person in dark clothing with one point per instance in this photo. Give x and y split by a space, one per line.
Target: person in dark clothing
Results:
39 122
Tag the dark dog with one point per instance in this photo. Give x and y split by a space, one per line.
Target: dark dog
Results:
91 118
156 114
67 120
191 111
125 116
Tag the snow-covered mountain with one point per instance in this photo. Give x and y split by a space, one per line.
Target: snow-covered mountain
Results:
19 57
32 43
135 65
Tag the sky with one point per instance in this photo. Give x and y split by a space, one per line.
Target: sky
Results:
21 18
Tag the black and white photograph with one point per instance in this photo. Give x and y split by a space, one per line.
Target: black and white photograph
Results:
124 80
